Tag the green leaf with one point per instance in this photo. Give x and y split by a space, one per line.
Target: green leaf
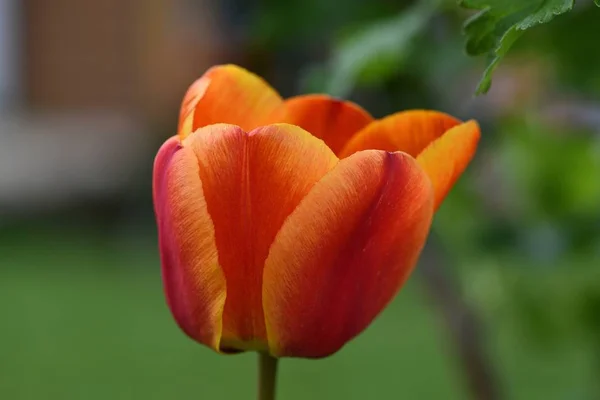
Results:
500 23
505 43
378 50
597 2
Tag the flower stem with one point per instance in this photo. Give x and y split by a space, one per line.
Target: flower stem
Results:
267 376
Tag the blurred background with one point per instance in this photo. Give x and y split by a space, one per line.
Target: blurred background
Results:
505 303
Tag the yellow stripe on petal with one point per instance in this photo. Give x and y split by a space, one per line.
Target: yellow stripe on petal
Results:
193 281
408 131
445 159
252 182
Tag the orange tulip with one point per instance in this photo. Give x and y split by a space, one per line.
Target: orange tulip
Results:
279 240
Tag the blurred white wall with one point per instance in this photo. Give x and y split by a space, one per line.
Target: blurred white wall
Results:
51 160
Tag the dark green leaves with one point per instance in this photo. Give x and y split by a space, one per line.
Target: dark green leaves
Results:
500 23
377 50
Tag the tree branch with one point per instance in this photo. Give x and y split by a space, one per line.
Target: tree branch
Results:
465 328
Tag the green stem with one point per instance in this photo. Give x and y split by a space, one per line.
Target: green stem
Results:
267 376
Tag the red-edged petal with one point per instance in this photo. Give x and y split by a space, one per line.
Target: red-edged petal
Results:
408 131
193 280
446 158
342 255
327 118
228 94
252 182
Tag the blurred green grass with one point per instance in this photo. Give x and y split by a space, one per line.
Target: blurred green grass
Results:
83 317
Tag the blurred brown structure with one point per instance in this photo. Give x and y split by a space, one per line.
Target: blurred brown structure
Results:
93 63
136 55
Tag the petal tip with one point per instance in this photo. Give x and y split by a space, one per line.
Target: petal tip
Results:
446 158
228 93
162 160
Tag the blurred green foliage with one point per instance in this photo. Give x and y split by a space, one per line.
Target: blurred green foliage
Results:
375 52
567 46
499 23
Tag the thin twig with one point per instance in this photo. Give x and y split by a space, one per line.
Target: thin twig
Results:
465 327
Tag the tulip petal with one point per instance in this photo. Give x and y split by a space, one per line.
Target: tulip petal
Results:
344 252
446 158
252 182
193 280
327 118
407 131
228 94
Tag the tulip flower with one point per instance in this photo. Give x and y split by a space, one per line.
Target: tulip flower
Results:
286 227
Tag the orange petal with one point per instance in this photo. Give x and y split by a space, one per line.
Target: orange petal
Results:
327 118
407 131
193 280
445 159
228 94
252 182
342 255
